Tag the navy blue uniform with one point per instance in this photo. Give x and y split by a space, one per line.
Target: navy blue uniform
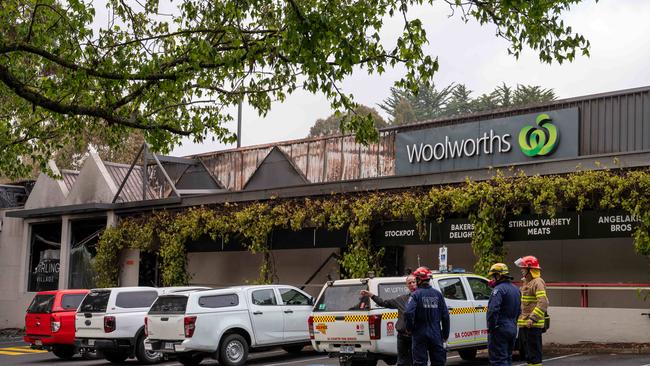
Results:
503 310
427 318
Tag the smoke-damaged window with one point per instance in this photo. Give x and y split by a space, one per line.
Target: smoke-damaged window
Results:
44 256
84 235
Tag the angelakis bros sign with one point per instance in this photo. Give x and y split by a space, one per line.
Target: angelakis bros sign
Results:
494 142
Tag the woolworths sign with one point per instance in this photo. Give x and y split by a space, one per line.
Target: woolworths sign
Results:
496 142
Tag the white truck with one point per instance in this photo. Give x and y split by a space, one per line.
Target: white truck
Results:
228 323
111 321
359 333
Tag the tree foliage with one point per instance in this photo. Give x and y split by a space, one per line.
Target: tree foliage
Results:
406 107
332 124
175 75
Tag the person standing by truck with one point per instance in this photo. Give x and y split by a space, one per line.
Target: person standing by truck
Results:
534 304
503 311
427 318
404 343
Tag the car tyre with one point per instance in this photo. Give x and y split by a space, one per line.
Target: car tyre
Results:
467 354
233 350
293 349
190 359
115 357
146 357
64 352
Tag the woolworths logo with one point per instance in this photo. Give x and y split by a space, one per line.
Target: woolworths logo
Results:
539 140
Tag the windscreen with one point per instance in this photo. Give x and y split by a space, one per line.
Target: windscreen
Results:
388 291
343 298
41 304
95 302
169 305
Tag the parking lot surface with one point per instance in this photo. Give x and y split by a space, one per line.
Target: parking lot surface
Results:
17 353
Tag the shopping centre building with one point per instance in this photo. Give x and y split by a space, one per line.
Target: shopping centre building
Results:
50 231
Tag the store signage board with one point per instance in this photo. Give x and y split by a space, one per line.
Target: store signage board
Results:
518 139
542 227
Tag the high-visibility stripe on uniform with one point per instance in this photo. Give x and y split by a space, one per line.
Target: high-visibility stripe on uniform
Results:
536 324
538 312
528 298
539 294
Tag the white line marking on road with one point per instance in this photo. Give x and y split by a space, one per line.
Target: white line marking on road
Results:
553 359
297 361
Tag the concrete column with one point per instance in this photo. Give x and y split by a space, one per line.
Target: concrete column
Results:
23 278
129 259
64 260
129 268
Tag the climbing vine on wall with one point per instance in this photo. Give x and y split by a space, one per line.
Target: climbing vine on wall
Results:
485 203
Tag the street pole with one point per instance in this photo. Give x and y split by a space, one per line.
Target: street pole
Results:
239 125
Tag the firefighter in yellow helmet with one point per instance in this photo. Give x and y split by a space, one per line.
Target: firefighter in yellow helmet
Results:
534 304
503 310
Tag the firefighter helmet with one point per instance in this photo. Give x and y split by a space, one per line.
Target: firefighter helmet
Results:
499 268
422 274
528 261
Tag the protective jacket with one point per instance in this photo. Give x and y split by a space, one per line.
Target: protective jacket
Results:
427 314
504 306
534 302
398 303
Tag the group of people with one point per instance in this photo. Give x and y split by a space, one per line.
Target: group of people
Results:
423 318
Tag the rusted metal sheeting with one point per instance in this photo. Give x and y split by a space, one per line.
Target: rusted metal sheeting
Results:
320 160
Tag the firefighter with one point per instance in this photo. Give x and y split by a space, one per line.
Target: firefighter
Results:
404 343
534 304
427 318
503 310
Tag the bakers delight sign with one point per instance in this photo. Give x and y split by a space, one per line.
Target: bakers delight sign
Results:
494 142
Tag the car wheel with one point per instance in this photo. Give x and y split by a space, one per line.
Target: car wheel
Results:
190 359
467 354
64 352
115 357
233 350
144 356
293 349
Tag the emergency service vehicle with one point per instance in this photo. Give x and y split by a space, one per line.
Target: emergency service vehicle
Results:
359 332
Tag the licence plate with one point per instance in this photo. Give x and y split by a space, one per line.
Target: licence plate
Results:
169 346
91 342
347 349
38 342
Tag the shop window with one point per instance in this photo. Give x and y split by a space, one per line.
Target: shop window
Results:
44 255
84 235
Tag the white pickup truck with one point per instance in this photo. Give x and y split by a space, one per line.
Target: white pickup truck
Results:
111 321
228 323
359 332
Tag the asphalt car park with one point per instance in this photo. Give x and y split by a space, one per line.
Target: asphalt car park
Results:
17 353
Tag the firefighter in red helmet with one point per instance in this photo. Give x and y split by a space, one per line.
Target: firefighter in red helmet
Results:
427 318
534 306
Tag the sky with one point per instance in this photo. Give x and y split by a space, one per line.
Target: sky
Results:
472 55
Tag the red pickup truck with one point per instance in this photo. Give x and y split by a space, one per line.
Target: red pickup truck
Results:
49 322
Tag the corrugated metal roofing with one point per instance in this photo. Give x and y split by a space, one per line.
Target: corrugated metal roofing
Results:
132 190
69 177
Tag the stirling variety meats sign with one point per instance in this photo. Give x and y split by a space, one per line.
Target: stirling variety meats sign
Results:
503 141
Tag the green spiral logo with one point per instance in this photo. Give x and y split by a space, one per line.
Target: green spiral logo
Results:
539 140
